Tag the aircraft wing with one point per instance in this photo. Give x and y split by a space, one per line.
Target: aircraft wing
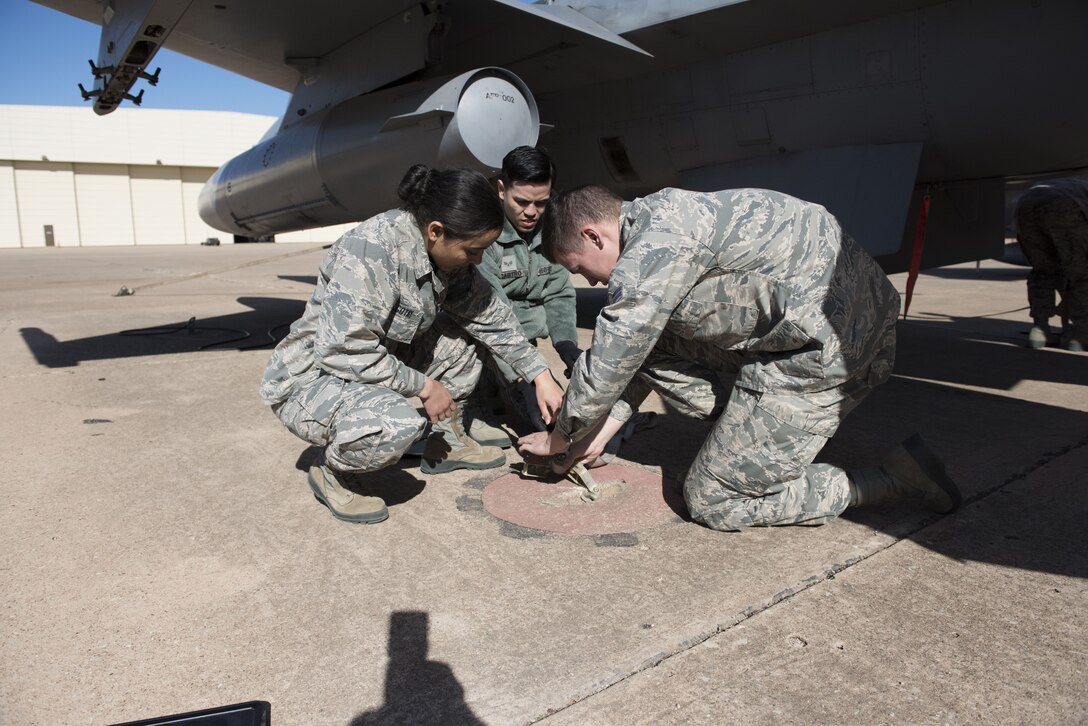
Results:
870 108
279 43
550 46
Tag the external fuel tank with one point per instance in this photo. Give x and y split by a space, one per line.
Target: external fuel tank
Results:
333 167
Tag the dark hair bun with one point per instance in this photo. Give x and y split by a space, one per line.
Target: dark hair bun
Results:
463 200
413 187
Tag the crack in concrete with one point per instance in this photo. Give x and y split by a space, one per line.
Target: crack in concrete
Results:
788 593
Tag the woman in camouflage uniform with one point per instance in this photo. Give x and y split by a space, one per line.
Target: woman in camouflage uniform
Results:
395 313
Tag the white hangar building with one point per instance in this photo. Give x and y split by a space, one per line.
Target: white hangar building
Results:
70 178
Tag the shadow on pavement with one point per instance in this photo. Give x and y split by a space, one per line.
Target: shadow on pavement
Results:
395 484
982 352
1041 529
417 690
304 279
262 326
985 273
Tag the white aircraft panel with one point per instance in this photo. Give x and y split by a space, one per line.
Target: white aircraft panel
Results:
46 196
9 207
104 204
157 216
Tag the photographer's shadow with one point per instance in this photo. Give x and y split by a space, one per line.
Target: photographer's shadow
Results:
417 690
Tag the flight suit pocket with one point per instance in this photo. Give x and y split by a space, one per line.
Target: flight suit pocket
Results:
405 324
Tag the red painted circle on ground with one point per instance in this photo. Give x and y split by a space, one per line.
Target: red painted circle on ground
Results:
631 499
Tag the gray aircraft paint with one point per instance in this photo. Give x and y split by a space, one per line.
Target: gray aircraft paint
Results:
731 94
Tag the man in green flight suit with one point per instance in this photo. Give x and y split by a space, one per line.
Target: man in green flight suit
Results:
540 291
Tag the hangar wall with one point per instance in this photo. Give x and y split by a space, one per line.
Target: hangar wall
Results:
73 179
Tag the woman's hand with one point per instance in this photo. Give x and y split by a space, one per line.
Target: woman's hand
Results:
436 401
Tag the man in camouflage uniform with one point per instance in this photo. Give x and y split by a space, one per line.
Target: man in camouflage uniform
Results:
372 336
1052 227
747 306
540 291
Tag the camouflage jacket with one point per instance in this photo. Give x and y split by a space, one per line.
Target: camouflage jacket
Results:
540 292
1043 192
377 290
742 272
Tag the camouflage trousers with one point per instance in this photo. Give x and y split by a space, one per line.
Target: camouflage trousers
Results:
365 427
753 470
1053 234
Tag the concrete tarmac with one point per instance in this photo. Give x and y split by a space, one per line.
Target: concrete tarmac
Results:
160 551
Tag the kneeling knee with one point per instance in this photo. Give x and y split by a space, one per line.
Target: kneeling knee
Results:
716 510
377 448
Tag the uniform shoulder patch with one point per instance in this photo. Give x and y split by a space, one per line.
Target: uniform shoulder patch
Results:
615 294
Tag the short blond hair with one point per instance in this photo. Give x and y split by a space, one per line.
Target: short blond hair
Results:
567 212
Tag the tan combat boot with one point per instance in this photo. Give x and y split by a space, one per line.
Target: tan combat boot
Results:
1038 336
450 448
479 430
911 472
478 421
1072 343
344 503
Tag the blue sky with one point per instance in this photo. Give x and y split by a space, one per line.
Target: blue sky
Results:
43 55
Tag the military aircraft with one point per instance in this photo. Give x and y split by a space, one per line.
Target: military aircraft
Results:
904 117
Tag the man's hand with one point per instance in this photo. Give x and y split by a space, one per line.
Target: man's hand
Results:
541 443
549 396
592 445
436 401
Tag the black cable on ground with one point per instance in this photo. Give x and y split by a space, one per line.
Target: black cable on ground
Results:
192 328
272 338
